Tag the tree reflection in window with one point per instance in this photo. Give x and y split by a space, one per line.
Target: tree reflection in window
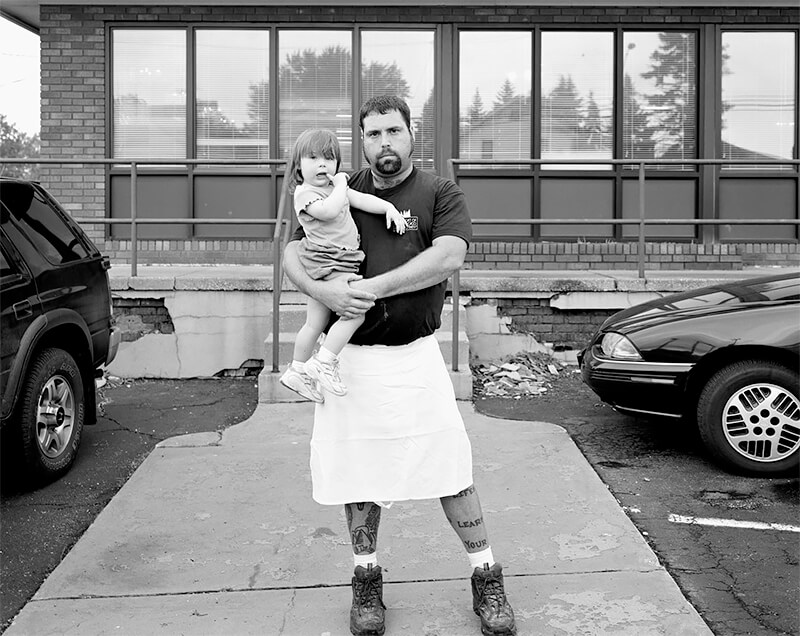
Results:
232 94
577 96
758 94
315 86
402 63
659 96
495 94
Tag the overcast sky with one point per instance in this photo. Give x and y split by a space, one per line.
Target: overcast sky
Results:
19 77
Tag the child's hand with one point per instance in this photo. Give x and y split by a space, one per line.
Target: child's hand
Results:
393 217
340 178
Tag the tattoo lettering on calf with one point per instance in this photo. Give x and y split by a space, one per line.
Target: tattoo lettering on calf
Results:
466 492
470 524
474 545
365 537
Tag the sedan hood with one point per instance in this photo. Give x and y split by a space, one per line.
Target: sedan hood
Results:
715 300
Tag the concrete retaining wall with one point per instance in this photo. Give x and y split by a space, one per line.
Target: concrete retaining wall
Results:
181 322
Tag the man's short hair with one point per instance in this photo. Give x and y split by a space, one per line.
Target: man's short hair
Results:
383 104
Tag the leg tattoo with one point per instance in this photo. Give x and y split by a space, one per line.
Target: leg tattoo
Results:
363 529
463 511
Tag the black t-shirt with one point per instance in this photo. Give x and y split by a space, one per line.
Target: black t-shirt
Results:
433 207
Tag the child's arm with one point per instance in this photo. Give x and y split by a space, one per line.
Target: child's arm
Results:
375 205
330 207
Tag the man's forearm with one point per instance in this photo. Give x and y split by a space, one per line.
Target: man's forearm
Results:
428 268
295 270
337 294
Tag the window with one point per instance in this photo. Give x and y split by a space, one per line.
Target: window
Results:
43 226
149 92
401 63
232 94
495 94
577 96
758 97
315 86
659 112
7 266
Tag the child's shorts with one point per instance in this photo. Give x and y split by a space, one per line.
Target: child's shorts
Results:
321 261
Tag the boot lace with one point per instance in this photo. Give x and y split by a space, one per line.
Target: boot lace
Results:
368 593
492 594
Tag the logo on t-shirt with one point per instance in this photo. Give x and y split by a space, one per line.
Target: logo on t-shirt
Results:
412 222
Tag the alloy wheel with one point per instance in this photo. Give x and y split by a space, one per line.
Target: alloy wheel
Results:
55 416
762 422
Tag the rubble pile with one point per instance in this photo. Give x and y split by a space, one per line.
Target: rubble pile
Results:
525 374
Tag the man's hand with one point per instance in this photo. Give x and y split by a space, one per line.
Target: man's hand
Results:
337 294
343 299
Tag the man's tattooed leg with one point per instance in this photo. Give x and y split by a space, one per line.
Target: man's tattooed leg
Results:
363 520
463 511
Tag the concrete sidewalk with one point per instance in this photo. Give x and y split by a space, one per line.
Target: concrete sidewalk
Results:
218 534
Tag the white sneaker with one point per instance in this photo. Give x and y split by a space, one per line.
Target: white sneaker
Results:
327 374
301 384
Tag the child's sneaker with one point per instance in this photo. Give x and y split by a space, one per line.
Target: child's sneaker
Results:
327 374
301 384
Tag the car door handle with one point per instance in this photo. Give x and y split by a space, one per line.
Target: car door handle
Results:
22 309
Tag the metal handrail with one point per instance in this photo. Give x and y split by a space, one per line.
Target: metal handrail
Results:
452 164
279 239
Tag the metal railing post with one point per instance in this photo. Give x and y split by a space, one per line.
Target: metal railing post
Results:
641 220
277 275
456 285
456 307
134 213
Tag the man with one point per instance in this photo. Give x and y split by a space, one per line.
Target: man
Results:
397 434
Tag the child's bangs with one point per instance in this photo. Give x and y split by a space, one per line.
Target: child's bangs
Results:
320 143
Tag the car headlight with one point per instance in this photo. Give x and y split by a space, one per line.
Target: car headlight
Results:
615 345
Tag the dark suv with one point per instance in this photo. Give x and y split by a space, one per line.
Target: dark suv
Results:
57 330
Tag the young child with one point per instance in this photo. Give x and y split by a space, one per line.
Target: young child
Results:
330 248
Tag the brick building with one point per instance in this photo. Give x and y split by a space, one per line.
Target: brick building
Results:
582 82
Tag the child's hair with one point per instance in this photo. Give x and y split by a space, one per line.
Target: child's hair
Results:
314 141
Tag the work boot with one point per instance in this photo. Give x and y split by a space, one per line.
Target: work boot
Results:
367 614
490 603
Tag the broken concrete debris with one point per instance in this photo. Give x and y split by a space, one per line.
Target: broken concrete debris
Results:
524 374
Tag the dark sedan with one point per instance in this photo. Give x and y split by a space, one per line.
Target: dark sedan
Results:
727 356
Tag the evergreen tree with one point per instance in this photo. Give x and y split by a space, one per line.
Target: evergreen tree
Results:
257 125
425 135
593 128
505 96
15 144
673 106
635 134
476 113
562 119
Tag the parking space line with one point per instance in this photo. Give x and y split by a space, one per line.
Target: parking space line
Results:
732 523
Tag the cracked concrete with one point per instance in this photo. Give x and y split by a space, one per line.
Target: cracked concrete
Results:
222 537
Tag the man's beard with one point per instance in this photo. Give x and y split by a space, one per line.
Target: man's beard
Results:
388 165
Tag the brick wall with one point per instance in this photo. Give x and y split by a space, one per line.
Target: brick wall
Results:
137 317
564 329
73 98
618 255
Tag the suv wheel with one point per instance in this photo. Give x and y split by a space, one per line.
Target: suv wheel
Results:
52 412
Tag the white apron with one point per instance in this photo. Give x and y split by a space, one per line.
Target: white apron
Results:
396 435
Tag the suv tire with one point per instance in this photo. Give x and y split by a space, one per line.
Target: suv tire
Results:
52 412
